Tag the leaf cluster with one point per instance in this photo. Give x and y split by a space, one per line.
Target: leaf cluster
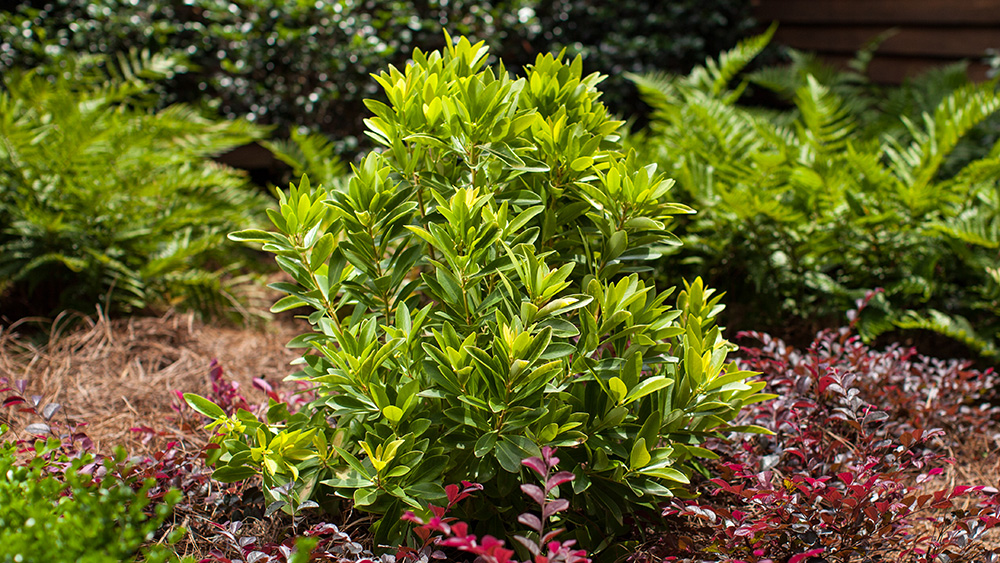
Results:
541 545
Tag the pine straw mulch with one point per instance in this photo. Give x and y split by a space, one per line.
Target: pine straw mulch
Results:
115 375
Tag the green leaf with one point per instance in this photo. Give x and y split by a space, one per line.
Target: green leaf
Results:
427 491
352 461
646 387
393 413
667 473
618 389
485 443
204 406
509 456
232 474
639 456
365 497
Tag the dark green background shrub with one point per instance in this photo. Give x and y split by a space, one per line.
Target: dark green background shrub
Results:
637 36
105 202
308 64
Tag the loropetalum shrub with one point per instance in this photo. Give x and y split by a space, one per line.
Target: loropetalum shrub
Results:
803 210
106 202
475 296
848 473
172 474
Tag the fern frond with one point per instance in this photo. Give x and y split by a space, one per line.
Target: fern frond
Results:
956 327
976 226
658 89
312 155
955 116
826 123
715 75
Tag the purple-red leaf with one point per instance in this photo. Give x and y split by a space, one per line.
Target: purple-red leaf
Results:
537 464
557 505
11 401
530 544
558 479
804 556
535 492
550 535
531 521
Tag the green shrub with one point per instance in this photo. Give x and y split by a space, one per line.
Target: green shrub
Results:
475 295
802 211
106 202
54 509
307 64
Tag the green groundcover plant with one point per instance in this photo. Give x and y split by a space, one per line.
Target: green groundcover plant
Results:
107 202
803 210
475 295
54 508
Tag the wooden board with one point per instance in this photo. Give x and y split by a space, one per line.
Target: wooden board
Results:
880 12
923 41
894 70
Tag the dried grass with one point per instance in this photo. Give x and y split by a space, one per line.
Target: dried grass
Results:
115 375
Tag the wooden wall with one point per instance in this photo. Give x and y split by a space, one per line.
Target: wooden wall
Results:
929 32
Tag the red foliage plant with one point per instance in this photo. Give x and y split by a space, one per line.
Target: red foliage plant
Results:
846 474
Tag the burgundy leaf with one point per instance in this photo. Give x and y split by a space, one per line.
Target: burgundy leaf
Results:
557 505
530 544
558 479
549 535
14 400
531 521
535 492
537 464
804 556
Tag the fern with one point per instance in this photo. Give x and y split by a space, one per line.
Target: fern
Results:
816 205
976 227
312 155
956 327
107 202
716 75
955 116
